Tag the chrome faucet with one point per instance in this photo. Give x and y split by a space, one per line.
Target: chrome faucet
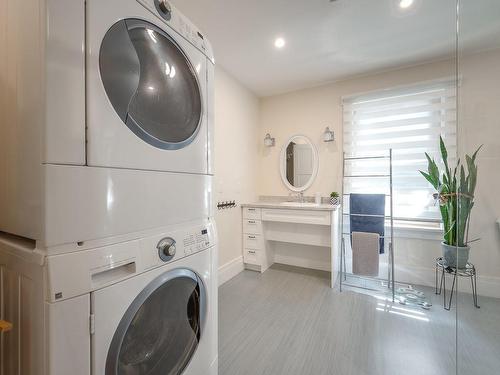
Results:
296 197
300 196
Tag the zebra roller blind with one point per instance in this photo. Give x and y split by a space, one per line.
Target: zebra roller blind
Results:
409 120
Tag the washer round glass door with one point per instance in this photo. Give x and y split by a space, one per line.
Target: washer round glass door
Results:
151 84
161 329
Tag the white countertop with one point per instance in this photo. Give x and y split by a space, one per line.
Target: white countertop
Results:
293 205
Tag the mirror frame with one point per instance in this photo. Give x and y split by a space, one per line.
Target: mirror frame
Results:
283 166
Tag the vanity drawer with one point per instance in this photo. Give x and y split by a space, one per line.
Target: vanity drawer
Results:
251 213
251 226
252 241
313 217
251 256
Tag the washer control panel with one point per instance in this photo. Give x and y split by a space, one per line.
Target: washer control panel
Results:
175 244
196 241
73 274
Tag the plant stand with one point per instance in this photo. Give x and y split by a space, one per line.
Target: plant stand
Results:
468 271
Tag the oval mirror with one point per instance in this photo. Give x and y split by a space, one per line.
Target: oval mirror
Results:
299 163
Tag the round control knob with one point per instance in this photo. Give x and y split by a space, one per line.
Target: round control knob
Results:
164 6
166 248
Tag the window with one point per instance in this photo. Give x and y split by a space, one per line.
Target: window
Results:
409 121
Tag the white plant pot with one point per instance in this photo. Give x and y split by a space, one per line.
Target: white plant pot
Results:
455 256
334 201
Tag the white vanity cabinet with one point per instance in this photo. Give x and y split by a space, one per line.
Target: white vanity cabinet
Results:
288 222
255 255
291 232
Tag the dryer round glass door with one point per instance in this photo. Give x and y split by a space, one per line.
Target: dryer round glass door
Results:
161 329
151 84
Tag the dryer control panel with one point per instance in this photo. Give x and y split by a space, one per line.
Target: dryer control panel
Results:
176 20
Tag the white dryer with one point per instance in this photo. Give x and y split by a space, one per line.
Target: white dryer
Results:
147 306
147 96
118 136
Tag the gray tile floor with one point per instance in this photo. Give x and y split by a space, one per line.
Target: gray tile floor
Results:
288 321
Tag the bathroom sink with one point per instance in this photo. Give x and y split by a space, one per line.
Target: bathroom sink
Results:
299 204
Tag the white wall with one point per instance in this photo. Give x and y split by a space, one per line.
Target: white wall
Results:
309 111
236 149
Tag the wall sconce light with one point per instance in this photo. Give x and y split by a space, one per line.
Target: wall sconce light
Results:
328 135
268 141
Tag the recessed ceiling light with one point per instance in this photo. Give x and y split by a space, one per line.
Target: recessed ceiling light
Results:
279 43
405 3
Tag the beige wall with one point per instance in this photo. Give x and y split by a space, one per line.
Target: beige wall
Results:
236 148
309 111
479 123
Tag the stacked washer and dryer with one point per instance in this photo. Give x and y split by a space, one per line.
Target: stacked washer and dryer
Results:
108 254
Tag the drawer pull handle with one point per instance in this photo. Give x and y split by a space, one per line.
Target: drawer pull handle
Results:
251 237
251 252
251 209
251 222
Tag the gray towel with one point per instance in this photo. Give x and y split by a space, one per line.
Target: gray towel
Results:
365 253
368 204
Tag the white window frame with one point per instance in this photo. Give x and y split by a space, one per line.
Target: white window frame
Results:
419 227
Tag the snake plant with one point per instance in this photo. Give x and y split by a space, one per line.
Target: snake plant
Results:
455 192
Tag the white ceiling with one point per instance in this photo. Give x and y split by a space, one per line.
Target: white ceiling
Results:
328 41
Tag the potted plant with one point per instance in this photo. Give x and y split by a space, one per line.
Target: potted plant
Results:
334 198
455 192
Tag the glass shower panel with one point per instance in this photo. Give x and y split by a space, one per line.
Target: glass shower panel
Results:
478 300
393 120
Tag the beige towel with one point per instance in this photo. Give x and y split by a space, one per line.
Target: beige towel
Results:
365 253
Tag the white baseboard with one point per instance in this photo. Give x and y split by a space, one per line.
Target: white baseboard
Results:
230 269
487 286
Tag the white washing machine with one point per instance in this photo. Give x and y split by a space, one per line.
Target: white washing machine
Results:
118 136
147 306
